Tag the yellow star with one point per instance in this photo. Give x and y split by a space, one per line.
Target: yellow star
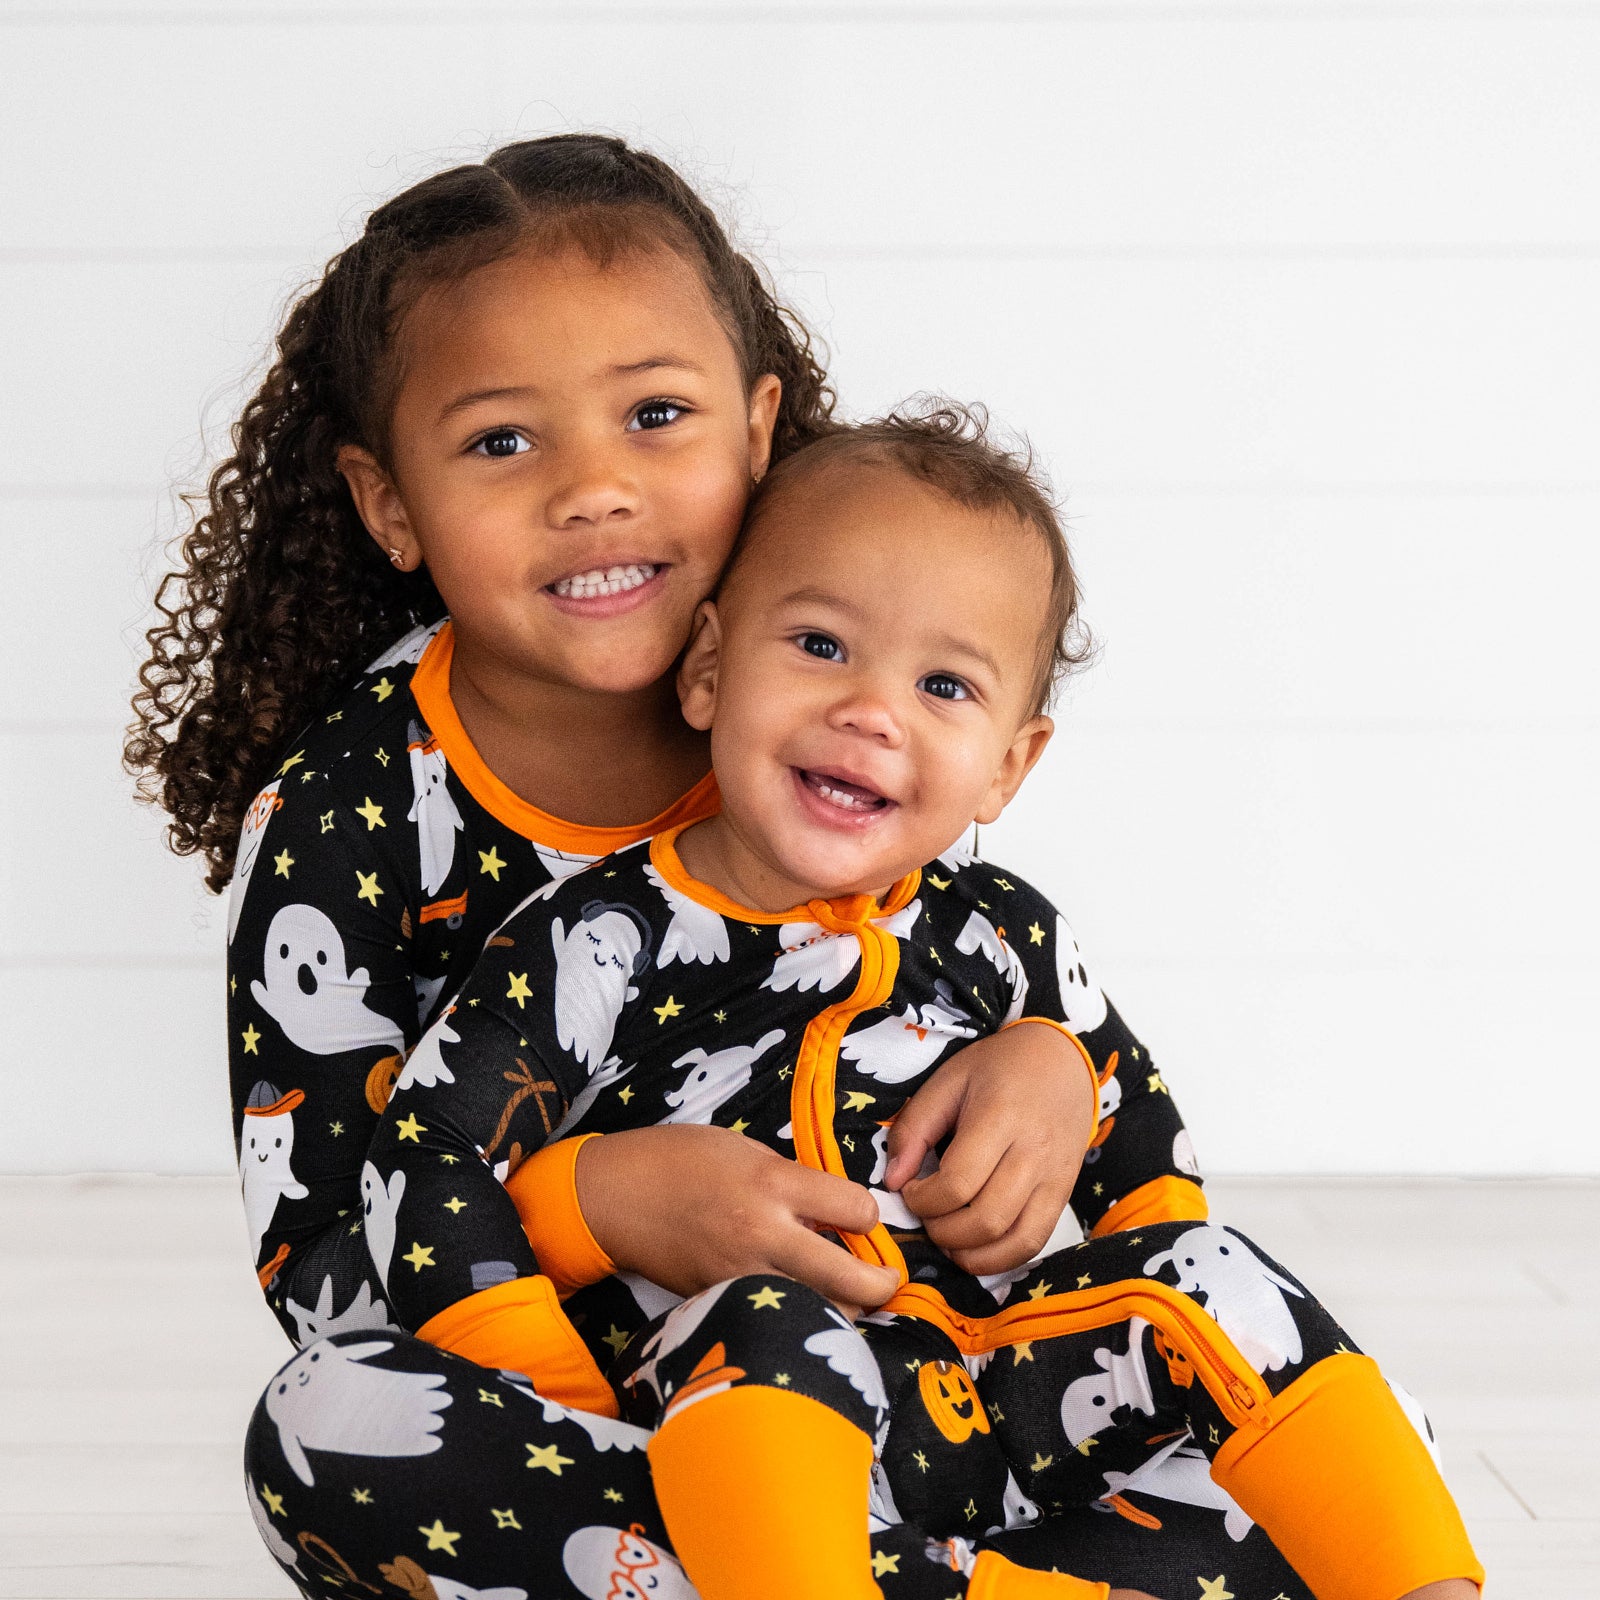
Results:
1214 1439
921 1461
491 862
336 1128
449 1161
251 1039
338 716
1021 1351
857 1101
373 814
1134 1052
1004 885
1156 1086
616 1338
767 1297
282 862
1040 1462
883 1562
1099 1188
383 689
381 756
233 984
419 1256
326 819
935 955
506 1519
719 1016
781 1379
614 1496
738 1126
1087 1445
488 1397
997 1413
439 1537
273 1502
1214 1588
938 883
1084 1281
293 761
670 1009
369 890
1039 1291
410 1128
1035 933
455 1205
625 1095
519 990
362 1497
969 1510
547 1456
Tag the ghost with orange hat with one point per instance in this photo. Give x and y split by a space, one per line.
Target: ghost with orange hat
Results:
266 1144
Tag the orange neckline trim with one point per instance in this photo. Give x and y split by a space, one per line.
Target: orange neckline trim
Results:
665 859
430 687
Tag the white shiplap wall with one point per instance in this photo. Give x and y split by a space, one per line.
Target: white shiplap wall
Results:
1298 301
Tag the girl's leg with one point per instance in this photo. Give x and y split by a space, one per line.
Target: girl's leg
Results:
1177 1363
379 1465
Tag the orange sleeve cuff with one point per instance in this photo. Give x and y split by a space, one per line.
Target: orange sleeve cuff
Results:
544 1190
995 1578
521 1327
1084 1056
1164 1199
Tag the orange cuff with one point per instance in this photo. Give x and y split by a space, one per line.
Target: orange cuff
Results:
995 1578
1077 1044
1164 1199
544 1190
1346 1489
521 1327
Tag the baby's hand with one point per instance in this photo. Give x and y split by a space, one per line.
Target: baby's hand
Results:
1022 1108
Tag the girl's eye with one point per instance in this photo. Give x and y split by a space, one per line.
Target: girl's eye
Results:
502 442
943 687
656 414
820 645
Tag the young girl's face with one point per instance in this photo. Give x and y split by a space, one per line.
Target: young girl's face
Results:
571 450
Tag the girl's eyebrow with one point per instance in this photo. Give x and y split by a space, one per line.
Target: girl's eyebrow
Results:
656 363
463 402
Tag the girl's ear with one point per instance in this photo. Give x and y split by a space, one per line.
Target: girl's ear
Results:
1018 761
379 506
697 674
765 394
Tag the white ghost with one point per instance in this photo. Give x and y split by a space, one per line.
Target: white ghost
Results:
1020 1511
650 1298
716 1078
1088 1402
320 1005
621 1564
562 863
898 1048
596 963
1416 1416
282 1551
605 1433
812 957
449 1589
426 991
1183 1475
325 1399
1083 1006
266 1147
379 1203
425 1066
1183 1156
893 1212
432 809
407 650
847 1353
981 934
363 1314
255 825
695 933
678 1328
959 855
1243 1295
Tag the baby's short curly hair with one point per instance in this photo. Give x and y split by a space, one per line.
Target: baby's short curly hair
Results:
951 448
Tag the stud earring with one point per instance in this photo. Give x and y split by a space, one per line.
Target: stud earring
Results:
394 555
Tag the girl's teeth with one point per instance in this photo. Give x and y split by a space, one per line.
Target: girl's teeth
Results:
613 580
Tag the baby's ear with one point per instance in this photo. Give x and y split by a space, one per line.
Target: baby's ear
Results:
1018 761
697 674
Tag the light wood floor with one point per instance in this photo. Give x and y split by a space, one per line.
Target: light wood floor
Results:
134 1346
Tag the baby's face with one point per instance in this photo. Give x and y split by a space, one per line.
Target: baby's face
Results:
868 678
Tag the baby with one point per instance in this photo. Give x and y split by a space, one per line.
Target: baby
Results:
874 672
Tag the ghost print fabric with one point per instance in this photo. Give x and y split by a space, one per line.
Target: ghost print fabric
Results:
372 867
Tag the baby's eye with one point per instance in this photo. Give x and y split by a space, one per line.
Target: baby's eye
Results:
944 687
502 442
820 645
655 414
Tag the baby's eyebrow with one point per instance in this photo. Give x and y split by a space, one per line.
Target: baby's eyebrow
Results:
973 652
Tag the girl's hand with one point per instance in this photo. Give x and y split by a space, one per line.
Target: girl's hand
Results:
689 1206
1022 1107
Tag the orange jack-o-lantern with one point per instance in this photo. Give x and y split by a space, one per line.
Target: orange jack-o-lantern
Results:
949 1398
1179 1368
381 1081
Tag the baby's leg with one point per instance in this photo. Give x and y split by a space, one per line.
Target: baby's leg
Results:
1176 1362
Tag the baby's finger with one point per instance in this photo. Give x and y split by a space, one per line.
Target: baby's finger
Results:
993 1211
832 1271
966 1165
1029 1235
923 1121
830 1201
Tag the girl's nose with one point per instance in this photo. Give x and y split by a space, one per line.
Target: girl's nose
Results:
593 489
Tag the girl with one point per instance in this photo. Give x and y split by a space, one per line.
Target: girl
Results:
419 662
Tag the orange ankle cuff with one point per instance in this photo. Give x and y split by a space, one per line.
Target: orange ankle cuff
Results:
995 1578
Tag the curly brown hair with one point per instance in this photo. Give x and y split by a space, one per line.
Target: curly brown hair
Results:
280 596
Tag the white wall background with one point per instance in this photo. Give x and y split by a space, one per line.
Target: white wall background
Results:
1301 302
